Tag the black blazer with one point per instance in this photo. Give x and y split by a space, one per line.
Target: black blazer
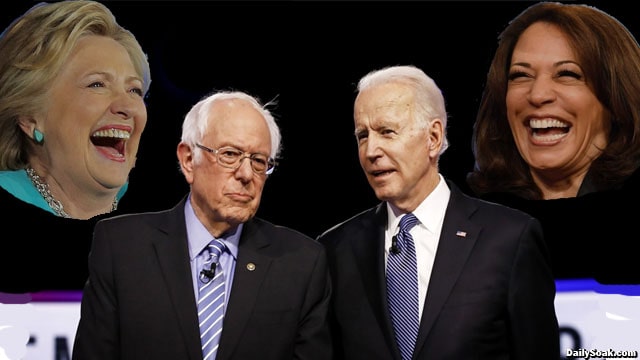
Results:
491 293
49 254
139 302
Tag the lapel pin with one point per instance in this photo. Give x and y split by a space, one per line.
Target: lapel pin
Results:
251 266
461 233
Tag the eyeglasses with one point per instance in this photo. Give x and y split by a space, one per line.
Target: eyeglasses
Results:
231 158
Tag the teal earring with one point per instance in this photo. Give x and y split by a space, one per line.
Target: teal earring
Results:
38 136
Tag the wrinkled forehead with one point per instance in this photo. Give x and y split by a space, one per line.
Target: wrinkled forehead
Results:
386 103
383 98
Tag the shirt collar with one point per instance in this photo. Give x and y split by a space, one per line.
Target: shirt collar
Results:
429 212
199 237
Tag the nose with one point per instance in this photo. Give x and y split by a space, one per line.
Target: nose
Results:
372 147
127 105
244 172
542 91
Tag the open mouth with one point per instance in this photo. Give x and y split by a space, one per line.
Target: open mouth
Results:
548 130
111 140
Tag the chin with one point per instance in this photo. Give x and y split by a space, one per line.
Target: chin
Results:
383 194
240 215
114 181
545 165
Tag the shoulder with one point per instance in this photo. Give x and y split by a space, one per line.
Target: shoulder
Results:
132 218
143 223
354 221
486 208
369 220
10 178
502 211
278 233
12 206
18 184
493 222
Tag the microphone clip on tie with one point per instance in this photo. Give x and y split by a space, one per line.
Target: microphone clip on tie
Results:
394 249
207 275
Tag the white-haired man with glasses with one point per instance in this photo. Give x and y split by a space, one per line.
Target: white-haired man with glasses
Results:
207 279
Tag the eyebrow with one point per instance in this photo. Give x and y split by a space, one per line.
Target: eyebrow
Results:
556 64
110 77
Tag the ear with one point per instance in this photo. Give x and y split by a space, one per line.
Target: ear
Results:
185 158
27 124
436 137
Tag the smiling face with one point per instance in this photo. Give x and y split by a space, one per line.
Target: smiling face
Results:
93 120
223 197
558 124
397 154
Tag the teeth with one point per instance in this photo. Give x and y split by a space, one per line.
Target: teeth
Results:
547 138
547 123
112 133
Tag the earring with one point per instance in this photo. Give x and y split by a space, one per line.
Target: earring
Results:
38 136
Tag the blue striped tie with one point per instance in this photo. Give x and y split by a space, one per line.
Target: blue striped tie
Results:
211 297
402 288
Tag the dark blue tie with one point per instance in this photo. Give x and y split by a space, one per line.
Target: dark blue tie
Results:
211 297
402 288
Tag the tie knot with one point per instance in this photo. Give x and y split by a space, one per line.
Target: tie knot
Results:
408 222
216 247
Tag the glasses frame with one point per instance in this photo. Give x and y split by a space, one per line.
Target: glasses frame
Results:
271 162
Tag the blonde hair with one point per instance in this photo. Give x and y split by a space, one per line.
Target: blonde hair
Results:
34 47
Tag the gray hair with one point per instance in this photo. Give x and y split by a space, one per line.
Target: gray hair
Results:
429 100
196 121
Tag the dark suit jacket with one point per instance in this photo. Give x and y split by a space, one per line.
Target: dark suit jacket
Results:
49 254
139 302
598 226
491 293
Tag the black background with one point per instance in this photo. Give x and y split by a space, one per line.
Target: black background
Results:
308 55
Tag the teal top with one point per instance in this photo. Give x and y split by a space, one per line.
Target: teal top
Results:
18 184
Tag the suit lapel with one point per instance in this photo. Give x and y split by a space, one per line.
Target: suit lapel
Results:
457 239
368 252
172 251
251 268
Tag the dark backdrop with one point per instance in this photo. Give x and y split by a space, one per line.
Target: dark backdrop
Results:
308 55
